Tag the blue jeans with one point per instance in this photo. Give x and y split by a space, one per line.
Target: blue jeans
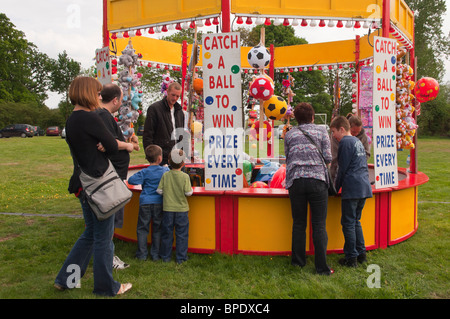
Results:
180 222
314 192
147 213
96 240
351 227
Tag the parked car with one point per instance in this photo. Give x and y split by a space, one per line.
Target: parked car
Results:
22 130
53 131
63 133
140 130
38 131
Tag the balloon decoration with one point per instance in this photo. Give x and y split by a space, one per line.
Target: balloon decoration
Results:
426 89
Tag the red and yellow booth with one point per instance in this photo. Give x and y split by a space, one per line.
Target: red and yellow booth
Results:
258 220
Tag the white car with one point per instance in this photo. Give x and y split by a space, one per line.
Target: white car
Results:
63 133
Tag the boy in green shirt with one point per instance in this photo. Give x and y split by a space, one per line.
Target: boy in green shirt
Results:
175 185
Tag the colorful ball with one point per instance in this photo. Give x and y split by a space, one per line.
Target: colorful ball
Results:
261 88
275 107
426 89
198 85
258 57
259 184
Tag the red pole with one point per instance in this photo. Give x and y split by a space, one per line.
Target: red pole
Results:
183 70
272 62
412 152
357 51
105 24
226 16
386 20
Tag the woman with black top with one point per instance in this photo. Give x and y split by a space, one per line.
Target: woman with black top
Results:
90 143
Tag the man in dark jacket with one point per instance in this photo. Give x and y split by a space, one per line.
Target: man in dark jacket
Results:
163 117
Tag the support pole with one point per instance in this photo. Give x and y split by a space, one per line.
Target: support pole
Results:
105 24
386 20
357 51
226 16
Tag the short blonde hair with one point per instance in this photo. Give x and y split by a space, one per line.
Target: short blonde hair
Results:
84 92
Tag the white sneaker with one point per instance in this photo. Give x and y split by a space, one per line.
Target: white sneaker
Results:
119 264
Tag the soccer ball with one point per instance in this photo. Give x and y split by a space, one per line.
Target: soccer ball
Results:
275 107
261 88
258 57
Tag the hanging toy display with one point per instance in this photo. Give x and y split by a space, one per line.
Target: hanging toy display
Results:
129 80
405 122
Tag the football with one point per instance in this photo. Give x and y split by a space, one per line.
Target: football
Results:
261 88
275 107
258 57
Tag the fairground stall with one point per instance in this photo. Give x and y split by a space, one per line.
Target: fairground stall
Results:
231 211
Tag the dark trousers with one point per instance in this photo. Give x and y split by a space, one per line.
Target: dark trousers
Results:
351 227
314 192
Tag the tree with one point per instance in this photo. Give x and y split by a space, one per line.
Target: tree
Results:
24 70
64 70
431 45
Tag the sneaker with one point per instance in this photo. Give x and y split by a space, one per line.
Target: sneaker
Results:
362 258
119 264
349 262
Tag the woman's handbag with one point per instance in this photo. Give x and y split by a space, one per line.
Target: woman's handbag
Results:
106 194
331 189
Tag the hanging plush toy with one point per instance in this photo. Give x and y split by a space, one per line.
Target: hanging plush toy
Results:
166 80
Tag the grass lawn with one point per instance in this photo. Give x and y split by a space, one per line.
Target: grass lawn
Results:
34 177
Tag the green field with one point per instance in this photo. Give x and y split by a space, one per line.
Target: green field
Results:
35 239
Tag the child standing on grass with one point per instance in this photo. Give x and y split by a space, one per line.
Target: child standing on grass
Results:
175 185
150 203
353 177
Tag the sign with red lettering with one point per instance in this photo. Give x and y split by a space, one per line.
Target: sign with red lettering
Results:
223 135
384 107
103 65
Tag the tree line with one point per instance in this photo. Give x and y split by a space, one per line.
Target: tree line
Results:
26 77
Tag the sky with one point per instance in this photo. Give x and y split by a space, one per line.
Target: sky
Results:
76 27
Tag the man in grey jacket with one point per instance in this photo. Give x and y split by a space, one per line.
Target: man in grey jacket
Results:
163 118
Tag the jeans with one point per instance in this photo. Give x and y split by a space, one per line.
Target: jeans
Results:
96 240
314 192
351 227
148 213
179 221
